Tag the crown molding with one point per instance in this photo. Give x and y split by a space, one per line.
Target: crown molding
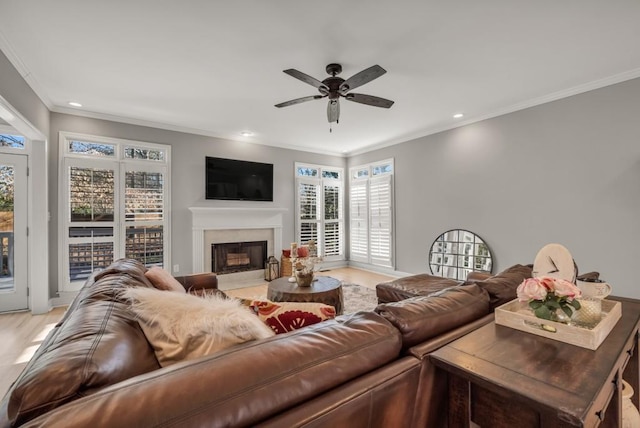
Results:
21 67
18 122
554 96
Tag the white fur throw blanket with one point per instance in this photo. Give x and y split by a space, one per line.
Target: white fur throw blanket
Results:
182 326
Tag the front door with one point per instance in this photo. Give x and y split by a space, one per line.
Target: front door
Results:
13 233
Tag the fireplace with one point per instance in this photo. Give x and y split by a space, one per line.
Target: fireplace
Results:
234 257
214 225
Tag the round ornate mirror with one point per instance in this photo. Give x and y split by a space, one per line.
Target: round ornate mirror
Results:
457 252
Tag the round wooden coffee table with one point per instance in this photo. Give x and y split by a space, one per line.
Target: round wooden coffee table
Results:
324 289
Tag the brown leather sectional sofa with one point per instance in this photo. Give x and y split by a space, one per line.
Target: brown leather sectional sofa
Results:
369 369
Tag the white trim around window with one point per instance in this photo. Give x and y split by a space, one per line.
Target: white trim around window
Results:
371 214
120 202
320 209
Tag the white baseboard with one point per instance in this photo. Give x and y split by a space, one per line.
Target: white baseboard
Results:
379 269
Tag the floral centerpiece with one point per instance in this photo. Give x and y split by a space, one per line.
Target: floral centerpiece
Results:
548 296
303 270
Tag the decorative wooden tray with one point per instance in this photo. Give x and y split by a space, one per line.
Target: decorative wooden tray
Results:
515 315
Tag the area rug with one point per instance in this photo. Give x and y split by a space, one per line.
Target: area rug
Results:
358 298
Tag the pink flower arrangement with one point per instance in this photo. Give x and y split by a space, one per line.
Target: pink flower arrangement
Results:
546 295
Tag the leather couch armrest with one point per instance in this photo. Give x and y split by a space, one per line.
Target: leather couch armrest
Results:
422 318
207 281
424 349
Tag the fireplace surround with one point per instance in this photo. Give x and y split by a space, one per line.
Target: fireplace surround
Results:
214 225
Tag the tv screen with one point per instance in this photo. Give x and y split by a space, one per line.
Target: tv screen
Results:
238 180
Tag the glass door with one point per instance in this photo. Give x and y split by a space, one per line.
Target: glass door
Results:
13 233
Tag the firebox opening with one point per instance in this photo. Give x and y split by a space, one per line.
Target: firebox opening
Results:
233 257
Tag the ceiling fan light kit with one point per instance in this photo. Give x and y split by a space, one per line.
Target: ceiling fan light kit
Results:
334 87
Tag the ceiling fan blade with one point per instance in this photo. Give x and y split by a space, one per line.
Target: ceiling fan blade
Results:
369 100
306 78
333 111
299 100
359 79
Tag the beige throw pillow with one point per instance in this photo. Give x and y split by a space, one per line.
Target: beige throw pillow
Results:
183 326
163 280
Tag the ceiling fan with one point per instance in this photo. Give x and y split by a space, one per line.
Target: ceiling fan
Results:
335 87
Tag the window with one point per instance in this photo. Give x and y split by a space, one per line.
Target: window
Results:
320 212
11 142
371 213
115 197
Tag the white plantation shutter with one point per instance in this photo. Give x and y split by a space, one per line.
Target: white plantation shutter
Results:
333 215
380 220
144 196
144 200
114 203
319 209
308 231
332 239
90 219
359 214
308 210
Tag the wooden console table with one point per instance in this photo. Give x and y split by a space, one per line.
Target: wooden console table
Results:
502 377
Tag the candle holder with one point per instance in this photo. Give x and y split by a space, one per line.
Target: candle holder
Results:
292 278
293 257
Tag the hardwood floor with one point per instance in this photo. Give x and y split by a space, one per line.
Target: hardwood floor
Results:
21 333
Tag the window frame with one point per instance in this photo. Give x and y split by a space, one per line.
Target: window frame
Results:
10 130
321 181
363 176
120 166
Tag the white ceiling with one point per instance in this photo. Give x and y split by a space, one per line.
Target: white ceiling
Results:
215 67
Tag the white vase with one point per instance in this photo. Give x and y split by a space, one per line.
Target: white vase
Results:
630 415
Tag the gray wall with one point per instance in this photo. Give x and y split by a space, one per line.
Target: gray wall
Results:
15 90
187 175
565 172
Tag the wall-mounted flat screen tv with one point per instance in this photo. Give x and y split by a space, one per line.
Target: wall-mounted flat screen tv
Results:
238 180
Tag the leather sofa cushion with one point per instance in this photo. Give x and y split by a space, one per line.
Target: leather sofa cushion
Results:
243 385
421 318
502 287
411 286
99 344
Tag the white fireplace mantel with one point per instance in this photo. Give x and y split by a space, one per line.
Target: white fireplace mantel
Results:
227 218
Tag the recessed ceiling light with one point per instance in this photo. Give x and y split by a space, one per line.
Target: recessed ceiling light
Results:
246 134
75 104
458 115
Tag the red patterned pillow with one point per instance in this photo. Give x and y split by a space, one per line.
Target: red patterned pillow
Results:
287 316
